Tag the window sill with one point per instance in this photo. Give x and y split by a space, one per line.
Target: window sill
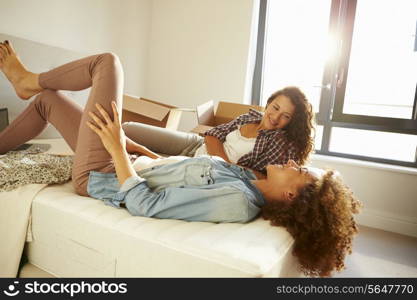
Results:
364 164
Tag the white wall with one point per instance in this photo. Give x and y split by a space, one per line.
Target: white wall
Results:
87 27
199 50
74 29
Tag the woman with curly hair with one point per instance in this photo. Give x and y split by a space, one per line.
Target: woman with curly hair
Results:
316 209
321 222
282 132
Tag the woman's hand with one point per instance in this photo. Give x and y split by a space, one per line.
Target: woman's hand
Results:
110 132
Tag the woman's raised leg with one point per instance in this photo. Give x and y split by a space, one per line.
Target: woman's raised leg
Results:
48 107
104 74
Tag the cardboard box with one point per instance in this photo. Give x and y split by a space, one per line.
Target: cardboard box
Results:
209 117
151 112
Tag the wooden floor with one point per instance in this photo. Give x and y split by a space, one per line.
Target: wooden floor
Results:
378 253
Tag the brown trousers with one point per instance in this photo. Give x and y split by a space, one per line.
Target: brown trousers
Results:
104 74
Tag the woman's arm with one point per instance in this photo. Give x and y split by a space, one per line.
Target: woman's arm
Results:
114 140
215 137
123 166
215 147
133 147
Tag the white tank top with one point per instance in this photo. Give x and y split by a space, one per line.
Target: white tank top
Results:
235 146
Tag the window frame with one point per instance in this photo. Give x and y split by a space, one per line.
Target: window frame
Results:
330 112
408 126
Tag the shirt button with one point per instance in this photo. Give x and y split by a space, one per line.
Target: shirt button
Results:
202 175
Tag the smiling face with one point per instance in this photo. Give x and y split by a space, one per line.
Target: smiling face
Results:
286 181
278 113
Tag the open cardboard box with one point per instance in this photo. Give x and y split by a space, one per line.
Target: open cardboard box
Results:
151 112
163 115
209 117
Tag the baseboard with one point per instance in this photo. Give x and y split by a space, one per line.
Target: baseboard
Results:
387 222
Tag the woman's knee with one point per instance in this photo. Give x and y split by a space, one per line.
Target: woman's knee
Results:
110 58
128 127
46 96
44 102
126 124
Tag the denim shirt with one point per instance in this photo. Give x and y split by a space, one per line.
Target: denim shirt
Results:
195 189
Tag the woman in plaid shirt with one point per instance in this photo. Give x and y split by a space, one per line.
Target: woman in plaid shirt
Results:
282 133
253 140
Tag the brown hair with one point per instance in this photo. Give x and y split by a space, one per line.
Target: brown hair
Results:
300 129
321 222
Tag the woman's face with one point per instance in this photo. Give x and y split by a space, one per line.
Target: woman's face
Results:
287 180
278 113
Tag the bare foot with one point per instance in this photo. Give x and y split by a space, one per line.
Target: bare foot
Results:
23 81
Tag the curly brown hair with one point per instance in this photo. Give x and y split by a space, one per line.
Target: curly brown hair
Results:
321 222
301 128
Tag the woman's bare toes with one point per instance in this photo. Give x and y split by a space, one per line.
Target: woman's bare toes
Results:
15 71
9 48
3 52
1 59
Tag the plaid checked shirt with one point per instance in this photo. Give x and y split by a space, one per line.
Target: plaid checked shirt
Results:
271 146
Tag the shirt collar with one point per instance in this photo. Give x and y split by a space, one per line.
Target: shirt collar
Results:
255 113
261 201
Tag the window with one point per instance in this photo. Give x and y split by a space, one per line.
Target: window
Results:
356 61
286 49
383 63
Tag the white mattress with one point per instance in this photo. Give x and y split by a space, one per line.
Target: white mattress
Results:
78 236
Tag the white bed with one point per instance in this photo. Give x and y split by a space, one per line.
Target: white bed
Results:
76 236
80 236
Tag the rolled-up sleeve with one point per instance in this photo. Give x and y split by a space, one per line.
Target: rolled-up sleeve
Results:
131 182
106 187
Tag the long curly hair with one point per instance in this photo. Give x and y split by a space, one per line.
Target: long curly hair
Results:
300 130
321 222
